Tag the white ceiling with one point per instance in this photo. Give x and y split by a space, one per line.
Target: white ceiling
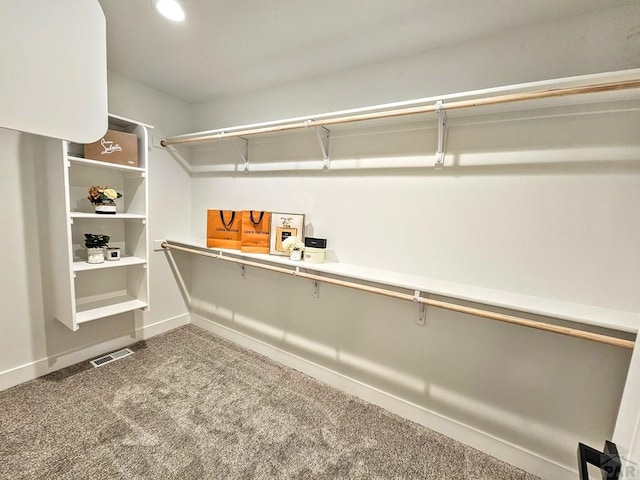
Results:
227 46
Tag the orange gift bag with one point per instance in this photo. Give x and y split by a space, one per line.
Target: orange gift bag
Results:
224 229
256 227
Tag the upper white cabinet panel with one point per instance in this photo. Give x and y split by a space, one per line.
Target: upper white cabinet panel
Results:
54 68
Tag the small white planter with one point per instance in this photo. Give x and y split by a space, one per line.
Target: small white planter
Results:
295 255
105 208
95 255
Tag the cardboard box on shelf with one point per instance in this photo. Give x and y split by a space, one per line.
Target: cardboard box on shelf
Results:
114 147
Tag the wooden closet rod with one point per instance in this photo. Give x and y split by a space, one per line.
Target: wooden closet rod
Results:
501 317
356 117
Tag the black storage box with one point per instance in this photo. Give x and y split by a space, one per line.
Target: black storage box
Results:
315 242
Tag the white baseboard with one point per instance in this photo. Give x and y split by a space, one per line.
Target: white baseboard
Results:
482 441
38 368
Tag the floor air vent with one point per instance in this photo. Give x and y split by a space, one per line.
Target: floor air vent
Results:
111 357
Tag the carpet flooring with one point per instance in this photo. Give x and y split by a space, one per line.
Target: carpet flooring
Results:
190 405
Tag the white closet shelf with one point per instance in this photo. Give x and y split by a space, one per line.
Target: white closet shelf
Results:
92 309
622 86
83 266
98 164
619 320
126 216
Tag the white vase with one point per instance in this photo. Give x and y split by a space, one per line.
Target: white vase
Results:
295 255
95 255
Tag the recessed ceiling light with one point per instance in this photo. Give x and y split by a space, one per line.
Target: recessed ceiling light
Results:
170 9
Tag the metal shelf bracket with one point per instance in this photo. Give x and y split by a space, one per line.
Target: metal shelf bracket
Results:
442 134
323 135
422 308
243 151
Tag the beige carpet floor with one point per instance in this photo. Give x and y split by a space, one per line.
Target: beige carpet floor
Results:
189 405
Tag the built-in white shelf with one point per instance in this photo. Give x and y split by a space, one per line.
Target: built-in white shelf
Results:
83 266
623 321
112 287
545 94
215 152
98 164
106 307
125 216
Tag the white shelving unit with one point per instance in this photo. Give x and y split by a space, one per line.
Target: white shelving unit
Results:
85 292
249 148
321 141
608 318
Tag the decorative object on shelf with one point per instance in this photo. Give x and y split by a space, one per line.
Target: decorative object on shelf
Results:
113 254
95 243
103 199
114 147
314 249
295 247
256 228
283 226
224 229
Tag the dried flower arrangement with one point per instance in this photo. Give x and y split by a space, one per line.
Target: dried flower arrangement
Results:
102 195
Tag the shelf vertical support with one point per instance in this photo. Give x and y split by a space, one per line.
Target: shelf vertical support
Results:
323 135
442 134
243 151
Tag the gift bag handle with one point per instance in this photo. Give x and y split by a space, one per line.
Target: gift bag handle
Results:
255 224
227 225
